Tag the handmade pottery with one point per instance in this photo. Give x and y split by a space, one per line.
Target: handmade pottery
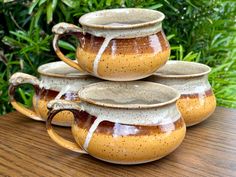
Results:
117 44
197 101
122 122
57 80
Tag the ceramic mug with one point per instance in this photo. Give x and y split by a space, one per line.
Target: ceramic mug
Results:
197 101
122 122
117 44
57 80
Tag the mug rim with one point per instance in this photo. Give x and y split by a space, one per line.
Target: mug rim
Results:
41 71
83 18
130 106
207 70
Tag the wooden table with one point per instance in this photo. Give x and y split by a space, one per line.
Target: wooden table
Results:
26 150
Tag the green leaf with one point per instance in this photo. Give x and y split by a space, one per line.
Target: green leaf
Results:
33 5
49 13
171 6
69 3
11 42
23 96
37 17
42 2
181 52
54 4
22 35
189 2
66 45
156 6
169 37
108 2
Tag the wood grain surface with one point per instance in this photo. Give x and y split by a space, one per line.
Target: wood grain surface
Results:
209 149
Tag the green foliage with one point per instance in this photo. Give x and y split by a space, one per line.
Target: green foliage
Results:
205 32
202 31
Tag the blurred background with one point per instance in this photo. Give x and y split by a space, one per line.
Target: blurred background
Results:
198 30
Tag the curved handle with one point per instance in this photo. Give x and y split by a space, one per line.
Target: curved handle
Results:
16 80
59 30
54 107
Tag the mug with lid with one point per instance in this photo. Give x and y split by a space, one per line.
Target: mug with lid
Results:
117 44
197 101
122 122
57 80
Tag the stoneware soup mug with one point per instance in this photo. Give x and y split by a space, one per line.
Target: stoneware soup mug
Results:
123 122
197 101
57 80
117 44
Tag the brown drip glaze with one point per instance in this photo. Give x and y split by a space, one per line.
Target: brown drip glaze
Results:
163 40
196 95
85 121
47 94
145 44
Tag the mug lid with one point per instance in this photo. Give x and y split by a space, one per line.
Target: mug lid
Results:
129 95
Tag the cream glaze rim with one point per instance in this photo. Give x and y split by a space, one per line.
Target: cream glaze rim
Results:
130 106
45 66
208 70
83 21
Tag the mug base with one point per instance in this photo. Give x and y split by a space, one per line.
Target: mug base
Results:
129 163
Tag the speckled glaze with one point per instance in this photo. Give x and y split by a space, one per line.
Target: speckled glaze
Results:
197 101
123 122
57 80
115 45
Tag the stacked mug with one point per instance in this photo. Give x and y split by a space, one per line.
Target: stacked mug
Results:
120 120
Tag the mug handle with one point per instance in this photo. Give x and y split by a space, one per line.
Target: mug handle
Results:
54 107
16 80
59 30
